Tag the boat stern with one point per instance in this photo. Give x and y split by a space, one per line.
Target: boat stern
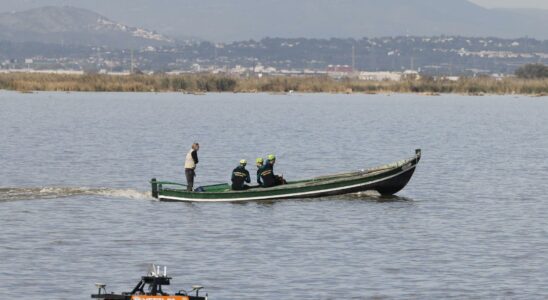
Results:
154 188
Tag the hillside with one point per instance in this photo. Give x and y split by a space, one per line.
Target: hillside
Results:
217 20
73 26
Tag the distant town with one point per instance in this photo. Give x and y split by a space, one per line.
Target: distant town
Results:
390 58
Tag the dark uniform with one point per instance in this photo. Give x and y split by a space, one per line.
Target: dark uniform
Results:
267 175
259 182
239 177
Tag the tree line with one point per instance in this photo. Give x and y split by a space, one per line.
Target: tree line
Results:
532 71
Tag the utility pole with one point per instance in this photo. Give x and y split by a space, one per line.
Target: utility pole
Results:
98 59
353 58
131 66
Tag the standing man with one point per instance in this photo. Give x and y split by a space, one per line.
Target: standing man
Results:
190 166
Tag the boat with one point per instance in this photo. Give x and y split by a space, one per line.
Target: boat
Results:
150 288
386 179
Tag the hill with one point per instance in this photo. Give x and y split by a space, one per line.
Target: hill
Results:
74 26
219 20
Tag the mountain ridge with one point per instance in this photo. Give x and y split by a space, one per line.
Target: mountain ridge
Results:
73 25
223 21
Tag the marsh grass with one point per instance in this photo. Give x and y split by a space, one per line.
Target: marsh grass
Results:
223 83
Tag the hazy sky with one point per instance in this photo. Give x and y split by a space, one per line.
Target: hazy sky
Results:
487 3
7 5
513 3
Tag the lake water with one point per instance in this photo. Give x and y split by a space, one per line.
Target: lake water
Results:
472 223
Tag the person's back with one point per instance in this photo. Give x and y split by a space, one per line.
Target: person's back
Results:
259 164
240 176
267 172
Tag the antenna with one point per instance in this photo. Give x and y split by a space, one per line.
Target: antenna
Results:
98 58
131 67
353 58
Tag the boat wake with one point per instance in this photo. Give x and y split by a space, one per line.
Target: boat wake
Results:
376 196
31 193
369 193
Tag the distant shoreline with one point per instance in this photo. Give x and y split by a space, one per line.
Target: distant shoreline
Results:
202 83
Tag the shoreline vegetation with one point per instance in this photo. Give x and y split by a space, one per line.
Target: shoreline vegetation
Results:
201 83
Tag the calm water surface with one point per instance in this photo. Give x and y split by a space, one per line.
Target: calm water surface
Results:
472 223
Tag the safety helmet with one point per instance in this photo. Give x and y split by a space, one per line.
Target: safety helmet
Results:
243 162
259 160
271 157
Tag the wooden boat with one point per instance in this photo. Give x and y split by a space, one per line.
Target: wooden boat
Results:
150 288
387 180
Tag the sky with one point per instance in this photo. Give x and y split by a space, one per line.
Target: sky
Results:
542 4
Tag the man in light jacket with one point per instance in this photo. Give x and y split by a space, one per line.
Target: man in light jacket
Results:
190 166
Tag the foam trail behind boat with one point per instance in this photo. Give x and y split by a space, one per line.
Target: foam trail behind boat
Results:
369 193
30 193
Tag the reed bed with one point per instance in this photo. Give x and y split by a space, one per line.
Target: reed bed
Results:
198 83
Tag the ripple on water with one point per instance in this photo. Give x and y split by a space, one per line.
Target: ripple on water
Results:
471 223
